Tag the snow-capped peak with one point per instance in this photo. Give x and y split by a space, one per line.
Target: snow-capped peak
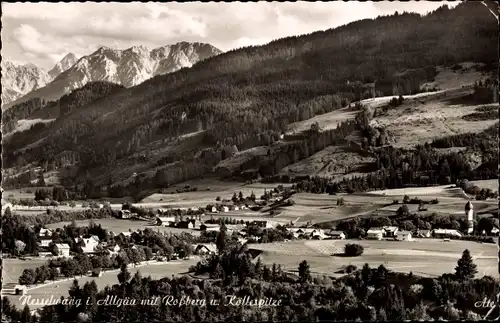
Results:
64 64
127 67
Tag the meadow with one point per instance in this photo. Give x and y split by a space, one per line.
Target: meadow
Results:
108 278
428 257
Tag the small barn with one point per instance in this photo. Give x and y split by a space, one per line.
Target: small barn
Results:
206 249
375 233
404 236
446 233
333 234
165 221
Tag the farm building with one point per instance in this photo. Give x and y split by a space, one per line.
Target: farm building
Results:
404 236
126 233
125 214
205 249
424 233
495 231
336 234
214 209
165 221
89 244
63 249
210 227
45 233
188 224
263 224
375 233
446 233
44 243
225 209
317 234
390 232
236 208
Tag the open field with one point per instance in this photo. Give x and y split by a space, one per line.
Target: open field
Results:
325 121
419 121
156 271
241 157
13 268
323 207
492 184
333 161
117 226
425 256
449 79
318 208
203 197
449 190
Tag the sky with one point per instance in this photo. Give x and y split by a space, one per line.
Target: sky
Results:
43 33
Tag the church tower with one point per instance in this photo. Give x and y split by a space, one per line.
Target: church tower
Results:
469 212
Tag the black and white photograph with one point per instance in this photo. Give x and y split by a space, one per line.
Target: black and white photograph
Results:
250 161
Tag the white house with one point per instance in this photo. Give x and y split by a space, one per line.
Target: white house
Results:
206 249
63 249
424 233
336 234
165 221
236 208
446 233
45 232
318 234
125 214
44 243
495 231
404 236
126 233
263 224
214 209
225 209
89 244
113 250
375 233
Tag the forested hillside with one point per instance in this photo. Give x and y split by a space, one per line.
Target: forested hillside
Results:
39 108
247 97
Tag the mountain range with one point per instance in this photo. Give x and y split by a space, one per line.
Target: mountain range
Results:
125 67
180 125
18 80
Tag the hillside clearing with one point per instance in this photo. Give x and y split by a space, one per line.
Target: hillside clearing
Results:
333 161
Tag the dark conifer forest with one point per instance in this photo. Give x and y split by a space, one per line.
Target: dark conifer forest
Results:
246 98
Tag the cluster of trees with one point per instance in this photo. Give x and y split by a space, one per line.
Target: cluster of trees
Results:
25 228
353 250
482 113
58 193
246 97
400 168
82 264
